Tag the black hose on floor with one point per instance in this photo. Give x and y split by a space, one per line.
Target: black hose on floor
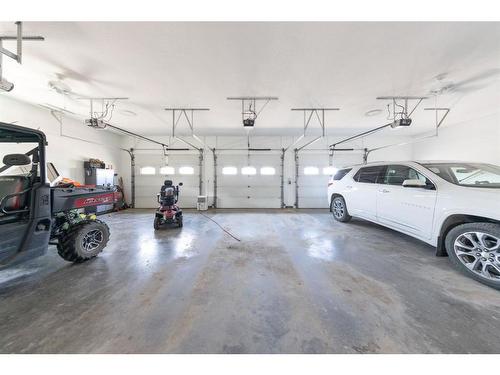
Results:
221 227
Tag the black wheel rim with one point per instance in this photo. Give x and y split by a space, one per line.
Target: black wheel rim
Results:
92 240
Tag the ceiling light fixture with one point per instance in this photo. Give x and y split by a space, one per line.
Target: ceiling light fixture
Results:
128 112
373 112
6 85
60 87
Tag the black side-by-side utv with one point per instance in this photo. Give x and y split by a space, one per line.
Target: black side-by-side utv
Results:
34 215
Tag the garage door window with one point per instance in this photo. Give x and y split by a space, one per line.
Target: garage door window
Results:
249 171
311 171
229 170
329 170
167 170
148 171
186 170
267 171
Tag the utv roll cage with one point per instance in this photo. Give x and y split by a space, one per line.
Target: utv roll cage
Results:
32 214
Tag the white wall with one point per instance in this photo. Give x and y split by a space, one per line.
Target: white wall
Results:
64 150
477 140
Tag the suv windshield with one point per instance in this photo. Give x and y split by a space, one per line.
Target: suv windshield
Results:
467 174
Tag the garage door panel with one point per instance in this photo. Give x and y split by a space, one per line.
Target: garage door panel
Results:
312 188
311 202
248 180
146 195
148 186
254 191
260 192
239 202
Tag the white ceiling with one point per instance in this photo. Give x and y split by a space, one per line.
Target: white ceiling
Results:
344 65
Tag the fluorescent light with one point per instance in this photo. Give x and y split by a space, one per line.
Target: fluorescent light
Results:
311 171
267 171
248 171
230 170
186 170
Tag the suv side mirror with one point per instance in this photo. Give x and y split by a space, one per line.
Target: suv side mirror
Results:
415 183
16 159
180 184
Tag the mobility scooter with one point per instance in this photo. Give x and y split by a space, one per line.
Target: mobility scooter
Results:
168 212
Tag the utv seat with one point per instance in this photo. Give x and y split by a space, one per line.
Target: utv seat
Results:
11 185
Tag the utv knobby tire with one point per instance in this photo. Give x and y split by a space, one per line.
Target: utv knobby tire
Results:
70 246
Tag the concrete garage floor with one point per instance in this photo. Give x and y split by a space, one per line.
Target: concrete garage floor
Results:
298 282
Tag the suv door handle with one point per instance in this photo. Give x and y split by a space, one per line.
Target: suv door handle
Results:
348 187
385 191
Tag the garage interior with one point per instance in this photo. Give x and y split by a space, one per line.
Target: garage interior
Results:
259 265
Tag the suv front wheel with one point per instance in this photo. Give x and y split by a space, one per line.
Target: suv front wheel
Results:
474 248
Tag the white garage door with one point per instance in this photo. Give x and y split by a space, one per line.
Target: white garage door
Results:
185 168
253 182
314 172
312 182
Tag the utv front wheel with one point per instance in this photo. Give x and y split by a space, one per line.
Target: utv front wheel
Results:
83 241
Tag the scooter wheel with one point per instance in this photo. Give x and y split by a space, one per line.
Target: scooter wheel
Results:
157 223
179 222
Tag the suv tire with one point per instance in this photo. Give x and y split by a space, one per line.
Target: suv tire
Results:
474 248
339 210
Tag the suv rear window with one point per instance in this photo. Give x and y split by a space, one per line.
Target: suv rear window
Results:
371 175
341 173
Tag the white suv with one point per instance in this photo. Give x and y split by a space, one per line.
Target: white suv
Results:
454 206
